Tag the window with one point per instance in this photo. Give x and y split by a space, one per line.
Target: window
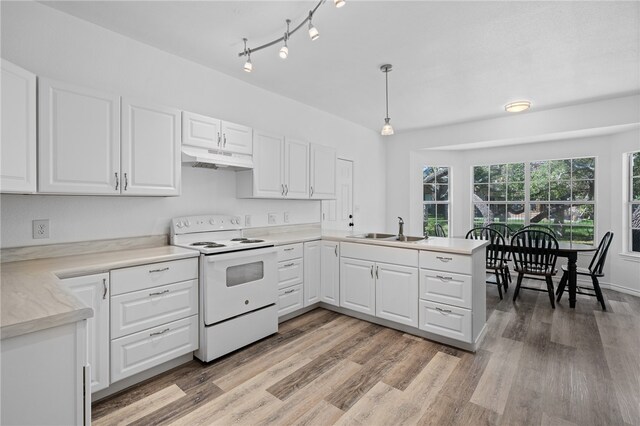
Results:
559 194
435 197
634 202
499 195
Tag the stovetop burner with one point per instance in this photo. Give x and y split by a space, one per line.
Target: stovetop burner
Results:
214 245
202 243
239 239
246 241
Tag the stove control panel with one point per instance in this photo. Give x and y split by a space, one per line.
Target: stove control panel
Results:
208 223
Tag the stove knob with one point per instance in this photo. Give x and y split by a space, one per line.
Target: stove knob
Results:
187 223
179 224
212 221
233 220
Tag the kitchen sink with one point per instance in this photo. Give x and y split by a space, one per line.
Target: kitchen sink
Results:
374 236
407 239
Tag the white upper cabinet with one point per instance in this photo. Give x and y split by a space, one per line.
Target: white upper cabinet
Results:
296 168
18 143
212 133
79 140
151 162
323 172
268 166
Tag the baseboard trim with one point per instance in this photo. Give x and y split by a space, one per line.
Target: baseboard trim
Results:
620 289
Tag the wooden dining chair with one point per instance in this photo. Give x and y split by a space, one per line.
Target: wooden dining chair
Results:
595 271
440 231
494 257
506 232
534 254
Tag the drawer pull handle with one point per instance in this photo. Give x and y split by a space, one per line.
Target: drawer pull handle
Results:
335 250
288 264
377 276
104 286
446 311
290 291
158 293
157 333
159 270
289 249
444 259
371 271
443 278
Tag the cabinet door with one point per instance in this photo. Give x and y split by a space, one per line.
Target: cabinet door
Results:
268 179
330 273
296 169
18 143
202 131
397 293
323 172
237 138
79 140
150 149
357 285
311 272
93 291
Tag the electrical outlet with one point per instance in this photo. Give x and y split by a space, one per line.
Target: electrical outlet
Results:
40 228
247 220
285 217
272 218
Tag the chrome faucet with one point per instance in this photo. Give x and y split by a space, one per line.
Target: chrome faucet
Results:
401 227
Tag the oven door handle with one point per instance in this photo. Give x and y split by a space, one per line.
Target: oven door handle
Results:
252 253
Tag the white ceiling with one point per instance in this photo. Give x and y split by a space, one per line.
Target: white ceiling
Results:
452 61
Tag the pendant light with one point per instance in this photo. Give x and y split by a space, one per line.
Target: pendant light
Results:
248 66
387 130
313 32
284 50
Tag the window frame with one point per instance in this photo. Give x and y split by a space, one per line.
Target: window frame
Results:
436 202
527 196
629 202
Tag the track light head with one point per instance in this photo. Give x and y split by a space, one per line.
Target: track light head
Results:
248 66
339 3
284 51
313 32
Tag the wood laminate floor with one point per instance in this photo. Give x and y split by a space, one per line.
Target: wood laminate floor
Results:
536 366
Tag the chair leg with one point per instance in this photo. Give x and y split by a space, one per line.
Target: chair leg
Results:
505 279
507 274
518 284
498 283
550 290
562 285
596 287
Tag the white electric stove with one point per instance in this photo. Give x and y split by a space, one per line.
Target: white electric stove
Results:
238 282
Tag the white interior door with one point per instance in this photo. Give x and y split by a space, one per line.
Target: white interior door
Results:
335 213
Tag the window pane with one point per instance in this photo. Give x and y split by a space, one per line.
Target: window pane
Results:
428 175
583 190
480 192
515 216
515 191
584 168
560 169
539 190
497 192
480 214
559 190
498 173
498 213
429 219
429 192
635 216
560 214
539 214
481 174
442 192
636 189
442 213
582 214
445 227
582 234
635 240
636 164
515 172
442 175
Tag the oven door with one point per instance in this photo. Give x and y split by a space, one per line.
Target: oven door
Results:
238 282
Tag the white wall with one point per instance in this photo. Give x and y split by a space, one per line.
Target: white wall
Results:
59 46
408 155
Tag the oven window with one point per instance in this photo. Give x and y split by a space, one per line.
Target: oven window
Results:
245 273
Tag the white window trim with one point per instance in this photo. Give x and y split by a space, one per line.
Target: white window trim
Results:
449 202
626 252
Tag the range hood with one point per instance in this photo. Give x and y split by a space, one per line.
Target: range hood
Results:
211 159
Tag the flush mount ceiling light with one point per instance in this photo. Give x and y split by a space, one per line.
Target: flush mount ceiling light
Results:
284 50
517 106
387 130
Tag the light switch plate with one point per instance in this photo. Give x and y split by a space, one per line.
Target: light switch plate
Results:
272 218
40 228
285 217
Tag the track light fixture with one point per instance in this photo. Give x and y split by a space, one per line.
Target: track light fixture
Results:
284 50
387 130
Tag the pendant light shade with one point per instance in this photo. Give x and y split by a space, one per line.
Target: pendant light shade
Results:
339 3
387 129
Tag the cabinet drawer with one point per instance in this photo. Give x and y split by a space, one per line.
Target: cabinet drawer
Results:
140 351
153 275
449 288
446 262
290 299
139 310
290 272
290 251
445 320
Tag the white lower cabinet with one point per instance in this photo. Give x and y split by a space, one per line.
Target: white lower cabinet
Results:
357 285
290 299
291 274
446 287
396 293
446 320
311 272
330 272
140 351
93 291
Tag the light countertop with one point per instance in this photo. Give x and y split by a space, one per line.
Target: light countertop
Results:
32 299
